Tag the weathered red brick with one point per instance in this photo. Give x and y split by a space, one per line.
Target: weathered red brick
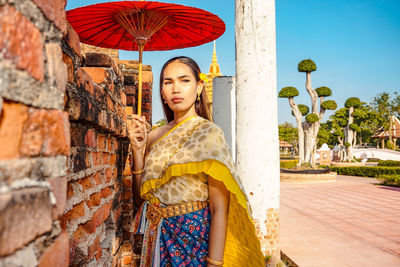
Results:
72 39
113 159
130 90
116 214
79 233
99 75
84 80
73 106
56 68
115 173
106 158
97 178
146 94
108 172
96 158
123 98
101 141
12 119
94 248
70 190
130 100
70 67
90 138
105 192
88 158
21 42
110 85
115 144
112 124
110 103
98 218
76 212
99 94
24 215
98 60
46 132
109 144
54 10
86 183
59 189
94 200
57 255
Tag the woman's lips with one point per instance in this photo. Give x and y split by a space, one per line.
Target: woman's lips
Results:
177 99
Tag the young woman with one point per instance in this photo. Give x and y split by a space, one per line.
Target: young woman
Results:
195 210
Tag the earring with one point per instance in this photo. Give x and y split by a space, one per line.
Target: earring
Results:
165 101
198 96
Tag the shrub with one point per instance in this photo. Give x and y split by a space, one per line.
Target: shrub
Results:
347 144
366 171
390 144
287 164
389 163
303 109
393 180
329 104
311 118
287 92
306 65
352 102
323 91
355 127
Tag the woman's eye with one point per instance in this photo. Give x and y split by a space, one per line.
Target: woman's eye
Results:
186 81
168 82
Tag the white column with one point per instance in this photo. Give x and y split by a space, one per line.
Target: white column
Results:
257 111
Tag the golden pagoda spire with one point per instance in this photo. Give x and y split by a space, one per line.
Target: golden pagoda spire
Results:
214 71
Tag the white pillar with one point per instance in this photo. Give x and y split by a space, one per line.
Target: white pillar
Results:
224 111
257 118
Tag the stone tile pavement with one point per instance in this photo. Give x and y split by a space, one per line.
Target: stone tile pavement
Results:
351 222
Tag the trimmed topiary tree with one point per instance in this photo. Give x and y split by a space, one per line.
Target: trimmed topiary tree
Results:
351 129
308 129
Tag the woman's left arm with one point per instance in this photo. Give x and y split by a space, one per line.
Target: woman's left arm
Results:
219 203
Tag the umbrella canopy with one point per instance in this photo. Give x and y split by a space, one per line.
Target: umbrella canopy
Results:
119 25
144 25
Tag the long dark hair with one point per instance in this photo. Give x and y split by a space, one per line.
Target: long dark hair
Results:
200 105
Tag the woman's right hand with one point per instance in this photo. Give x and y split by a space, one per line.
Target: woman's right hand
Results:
137 132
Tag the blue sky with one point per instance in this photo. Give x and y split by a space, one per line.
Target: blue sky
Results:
355 44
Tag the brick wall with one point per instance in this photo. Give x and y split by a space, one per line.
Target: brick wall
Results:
65 177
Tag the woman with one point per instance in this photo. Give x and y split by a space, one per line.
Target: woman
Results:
195 210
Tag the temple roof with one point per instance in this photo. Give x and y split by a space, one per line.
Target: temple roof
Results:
382 133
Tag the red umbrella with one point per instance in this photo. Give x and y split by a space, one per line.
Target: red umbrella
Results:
144 25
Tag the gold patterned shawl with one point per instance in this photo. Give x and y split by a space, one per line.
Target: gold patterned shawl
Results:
193 146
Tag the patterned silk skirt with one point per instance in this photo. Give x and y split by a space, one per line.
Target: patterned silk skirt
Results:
184 239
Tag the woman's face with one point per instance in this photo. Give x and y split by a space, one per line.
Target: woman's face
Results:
179 87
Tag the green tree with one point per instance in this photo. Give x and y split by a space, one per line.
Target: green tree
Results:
309 128
386 108
288 133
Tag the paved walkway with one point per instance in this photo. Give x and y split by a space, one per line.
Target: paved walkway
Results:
351 222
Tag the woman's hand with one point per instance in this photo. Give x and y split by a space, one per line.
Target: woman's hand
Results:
137 132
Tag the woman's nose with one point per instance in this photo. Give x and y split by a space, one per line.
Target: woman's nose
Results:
176 88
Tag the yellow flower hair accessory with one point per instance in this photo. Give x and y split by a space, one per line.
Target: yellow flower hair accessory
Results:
203 77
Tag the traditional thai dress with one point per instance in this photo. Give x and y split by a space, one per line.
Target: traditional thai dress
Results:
176 171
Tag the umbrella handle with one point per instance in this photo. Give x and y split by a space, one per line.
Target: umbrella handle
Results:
141 44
